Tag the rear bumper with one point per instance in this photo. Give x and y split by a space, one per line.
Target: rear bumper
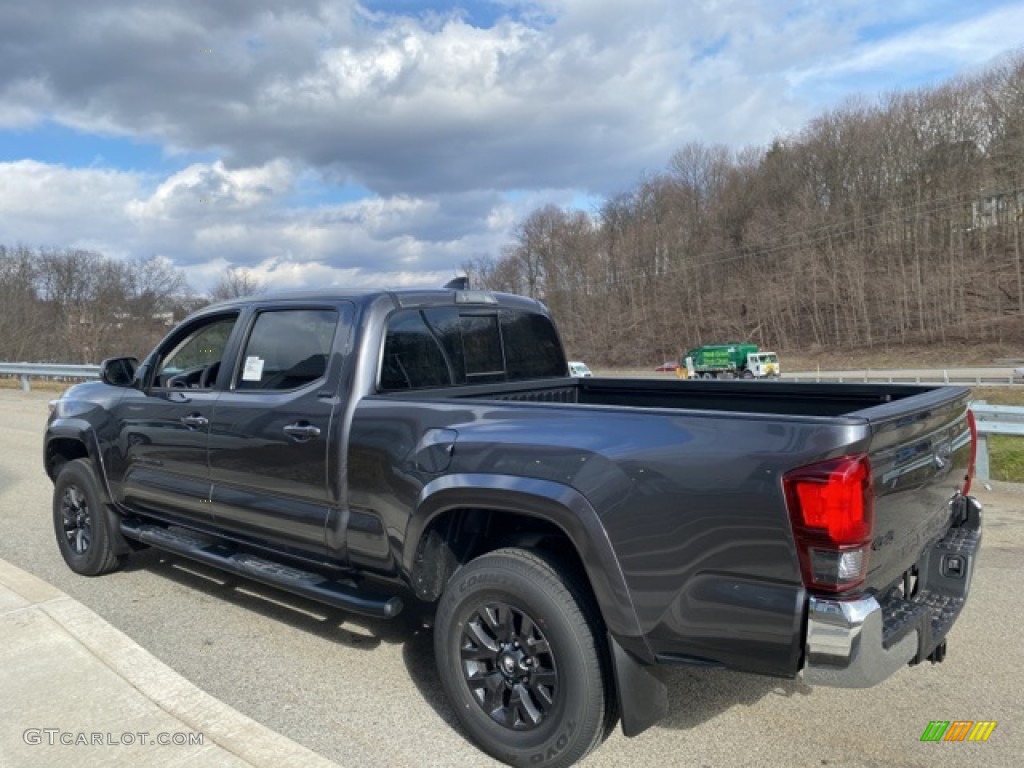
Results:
859 643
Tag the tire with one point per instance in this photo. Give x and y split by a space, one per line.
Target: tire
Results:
547 701
748 374
81 522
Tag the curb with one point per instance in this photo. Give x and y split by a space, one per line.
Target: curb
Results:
223 727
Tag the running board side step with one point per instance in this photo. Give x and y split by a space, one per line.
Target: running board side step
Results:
214 552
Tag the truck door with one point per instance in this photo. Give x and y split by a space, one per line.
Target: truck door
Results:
274 460
160 467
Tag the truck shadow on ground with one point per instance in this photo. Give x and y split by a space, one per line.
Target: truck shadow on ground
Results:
695 695
324 621
332 624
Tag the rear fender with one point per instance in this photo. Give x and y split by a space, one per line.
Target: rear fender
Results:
642 696
561 505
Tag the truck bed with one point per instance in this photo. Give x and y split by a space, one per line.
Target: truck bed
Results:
777 398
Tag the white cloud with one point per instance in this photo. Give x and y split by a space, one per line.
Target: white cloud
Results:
365 243
888 62
206 191
457 131
50 205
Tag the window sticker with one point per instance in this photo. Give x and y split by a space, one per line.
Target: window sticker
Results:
253 370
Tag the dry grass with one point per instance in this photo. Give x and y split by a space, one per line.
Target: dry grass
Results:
951 355
37 384
1000 395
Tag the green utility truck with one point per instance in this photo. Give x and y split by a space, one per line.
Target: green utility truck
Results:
728 361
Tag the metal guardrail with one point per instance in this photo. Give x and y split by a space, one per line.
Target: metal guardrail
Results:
994 420
25 370
944 377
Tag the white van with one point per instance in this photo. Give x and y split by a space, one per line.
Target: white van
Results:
579 370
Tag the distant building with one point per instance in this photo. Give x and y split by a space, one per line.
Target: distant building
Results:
994 210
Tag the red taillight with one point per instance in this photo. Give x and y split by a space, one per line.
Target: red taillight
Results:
831 509
974 452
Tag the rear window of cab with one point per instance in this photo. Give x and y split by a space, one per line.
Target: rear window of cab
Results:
447 346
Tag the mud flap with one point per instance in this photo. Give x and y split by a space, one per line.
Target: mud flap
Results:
643 698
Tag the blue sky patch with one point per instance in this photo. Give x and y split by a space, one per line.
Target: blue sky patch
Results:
56 144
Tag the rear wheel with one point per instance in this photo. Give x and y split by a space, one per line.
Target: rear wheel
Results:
81 521
522 661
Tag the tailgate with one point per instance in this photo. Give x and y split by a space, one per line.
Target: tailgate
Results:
920 451
924 546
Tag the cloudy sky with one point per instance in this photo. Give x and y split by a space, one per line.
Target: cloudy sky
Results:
384 144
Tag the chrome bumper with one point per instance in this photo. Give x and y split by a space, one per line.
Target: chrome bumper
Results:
859 643
844 644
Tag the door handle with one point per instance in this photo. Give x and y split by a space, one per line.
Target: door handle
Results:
301 431
195 421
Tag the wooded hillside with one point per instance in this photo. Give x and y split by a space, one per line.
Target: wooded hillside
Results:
883 222
75 306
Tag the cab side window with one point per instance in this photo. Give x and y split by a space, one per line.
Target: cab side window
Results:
287 349
192 360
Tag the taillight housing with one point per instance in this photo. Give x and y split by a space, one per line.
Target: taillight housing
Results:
973 426
831 508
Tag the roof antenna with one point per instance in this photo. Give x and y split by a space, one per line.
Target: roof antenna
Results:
458 283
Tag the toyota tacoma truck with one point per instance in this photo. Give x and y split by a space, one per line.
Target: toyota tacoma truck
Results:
429 451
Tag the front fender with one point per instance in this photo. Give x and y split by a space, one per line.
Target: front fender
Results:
559 504
79 431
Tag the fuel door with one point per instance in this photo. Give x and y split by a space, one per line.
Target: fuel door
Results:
435 449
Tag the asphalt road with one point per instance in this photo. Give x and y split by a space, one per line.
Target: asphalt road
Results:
366 694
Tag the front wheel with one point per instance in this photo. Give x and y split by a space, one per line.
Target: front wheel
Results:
522 661
81 522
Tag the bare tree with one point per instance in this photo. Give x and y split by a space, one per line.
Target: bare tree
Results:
883 221
235 283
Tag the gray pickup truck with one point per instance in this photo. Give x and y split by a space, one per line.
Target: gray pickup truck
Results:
428 451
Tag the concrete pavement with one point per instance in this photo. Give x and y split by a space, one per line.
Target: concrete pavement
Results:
75 691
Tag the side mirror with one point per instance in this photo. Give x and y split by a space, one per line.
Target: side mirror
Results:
118 371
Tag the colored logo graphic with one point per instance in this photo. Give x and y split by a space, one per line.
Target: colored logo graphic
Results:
958 730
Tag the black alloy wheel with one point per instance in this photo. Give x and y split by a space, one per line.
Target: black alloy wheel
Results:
521 654
77 520
82 522
508 665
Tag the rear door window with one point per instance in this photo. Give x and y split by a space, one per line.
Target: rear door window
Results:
287 349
